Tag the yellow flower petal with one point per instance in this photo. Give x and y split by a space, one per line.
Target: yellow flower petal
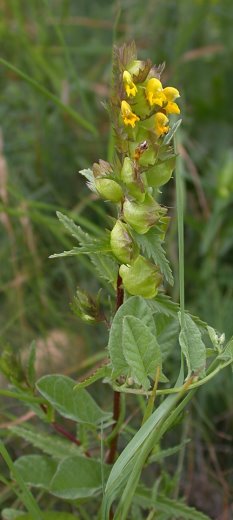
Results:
129 118
172 108
154 92
161 126
130 87
171 93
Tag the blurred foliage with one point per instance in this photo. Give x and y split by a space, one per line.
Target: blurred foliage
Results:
65 46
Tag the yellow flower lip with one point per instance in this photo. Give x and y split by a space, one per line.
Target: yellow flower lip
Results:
171 94
154 92
128 116
161 126
130 87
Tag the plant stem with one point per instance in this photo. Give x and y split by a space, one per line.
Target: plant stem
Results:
116 395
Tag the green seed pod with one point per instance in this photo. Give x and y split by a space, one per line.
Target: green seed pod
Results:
142 216
142 278
161 173
122 244
135 186
109 189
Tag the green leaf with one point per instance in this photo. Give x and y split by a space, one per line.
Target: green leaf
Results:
106 268
140 350
36 470
172 132
78 477
151 245
49 444
192 346
132 459
88 174
15 514
12 514
167 333
169 452
164 304
134 306
105 265
31 373
78 406
173 508
95 247
227 353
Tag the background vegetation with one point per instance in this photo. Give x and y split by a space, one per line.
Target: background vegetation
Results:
53 123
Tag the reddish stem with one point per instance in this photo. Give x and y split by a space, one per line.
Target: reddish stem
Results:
116 395
59 428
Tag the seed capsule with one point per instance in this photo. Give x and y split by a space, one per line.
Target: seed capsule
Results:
142 278
122 244
109 189
142 216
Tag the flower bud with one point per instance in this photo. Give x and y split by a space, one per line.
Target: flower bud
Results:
161 173
134 185
109 189
122 244
142 216
142 278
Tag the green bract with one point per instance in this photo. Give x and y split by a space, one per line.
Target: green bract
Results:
142 278
135 185
142 216
122 244
161 173
109 189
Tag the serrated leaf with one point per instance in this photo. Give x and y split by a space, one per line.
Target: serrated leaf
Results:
95 247
192 346
172 132
140 350
75 231
134 306
49 444
105 265
151 245
78 477
36 470
100 373
88 174
106 268
78 406
164 304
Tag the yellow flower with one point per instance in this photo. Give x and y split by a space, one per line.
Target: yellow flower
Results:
129 85
171 94
128 116
154 92
161 124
